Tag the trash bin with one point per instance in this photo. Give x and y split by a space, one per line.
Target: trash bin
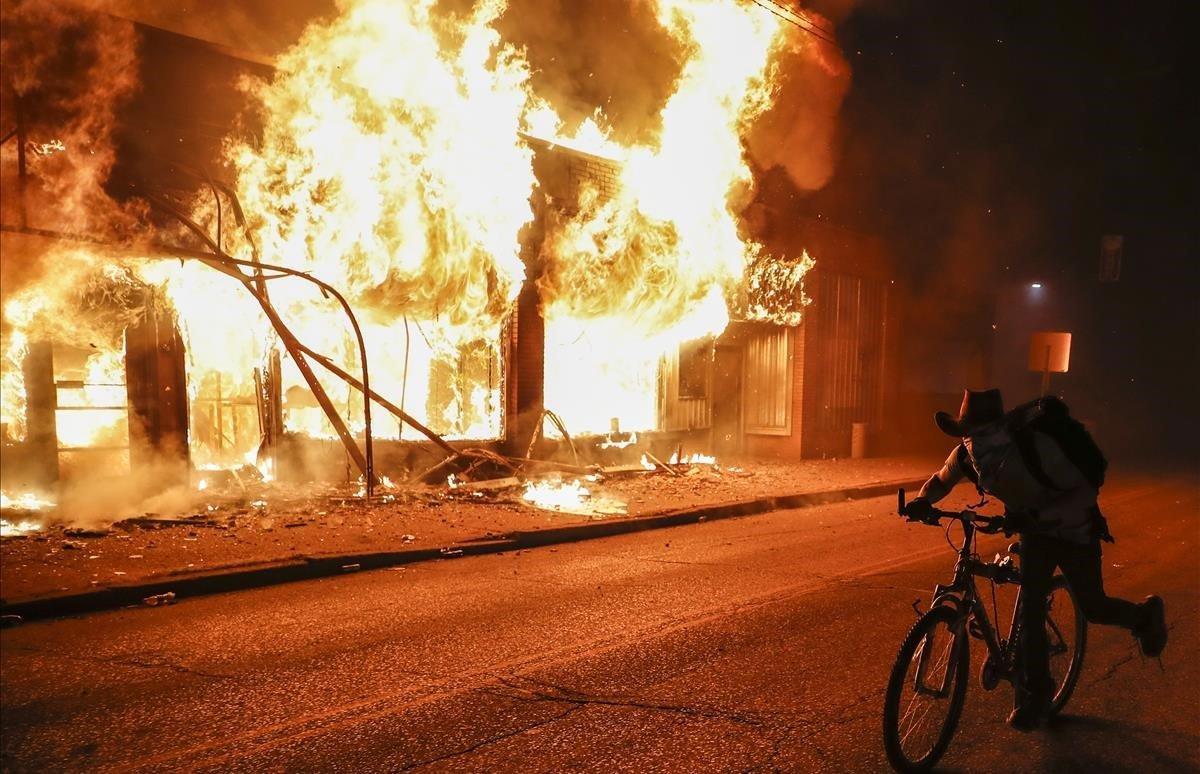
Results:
858 440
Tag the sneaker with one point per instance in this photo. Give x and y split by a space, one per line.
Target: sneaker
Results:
1029 718
1152 635
1032 711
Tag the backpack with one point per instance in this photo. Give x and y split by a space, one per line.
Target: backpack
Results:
1051 416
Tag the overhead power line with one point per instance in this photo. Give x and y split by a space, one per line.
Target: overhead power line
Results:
796 20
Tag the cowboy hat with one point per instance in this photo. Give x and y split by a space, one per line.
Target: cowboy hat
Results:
979 408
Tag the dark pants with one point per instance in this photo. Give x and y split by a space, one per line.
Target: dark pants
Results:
1081 565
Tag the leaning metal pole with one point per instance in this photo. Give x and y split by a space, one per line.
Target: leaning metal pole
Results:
176 252
392 407
218 259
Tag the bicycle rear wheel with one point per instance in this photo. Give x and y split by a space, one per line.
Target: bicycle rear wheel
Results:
925 693
1066 635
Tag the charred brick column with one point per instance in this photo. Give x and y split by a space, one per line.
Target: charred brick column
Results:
525 373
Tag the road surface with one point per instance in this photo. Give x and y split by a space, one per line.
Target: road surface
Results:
756 644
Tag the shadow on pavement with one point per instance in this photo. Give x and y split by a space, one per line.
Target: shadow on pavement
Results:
1082 742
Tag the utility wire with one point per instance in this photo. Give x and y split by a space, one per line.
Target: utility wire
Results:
796 19
792 18
803 20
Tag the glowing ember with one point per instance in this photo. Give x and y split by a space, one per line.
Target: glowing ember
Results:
557 495
609 443
692 459
26 501
18 528
570 497
383 484
46 148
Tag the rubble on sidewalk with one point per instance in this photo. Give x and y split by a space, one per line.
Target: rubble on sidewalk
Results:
247 522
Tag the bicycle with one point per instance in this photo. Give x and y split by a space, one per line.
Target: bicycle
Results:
928 682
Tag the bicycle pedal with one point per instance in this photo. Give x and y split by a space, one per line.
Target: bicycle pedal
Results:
974 629
989 675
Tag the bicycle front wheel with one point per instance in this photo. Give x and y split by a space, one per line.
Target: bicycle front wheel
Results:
925 693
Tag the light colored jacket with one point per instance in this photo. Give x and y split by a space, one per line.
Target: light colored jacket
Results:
1065 512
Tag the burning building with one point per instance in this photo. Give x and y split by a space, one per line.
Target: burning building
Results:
211 258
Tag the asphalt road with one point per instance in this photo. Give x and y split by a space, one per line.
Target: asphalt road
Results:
756 644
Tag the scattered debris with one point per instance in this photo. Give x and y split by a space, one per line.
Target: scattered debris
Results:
154 600
154 521
218 480
10 620
351 567
490 485
73 545
660 464
87 532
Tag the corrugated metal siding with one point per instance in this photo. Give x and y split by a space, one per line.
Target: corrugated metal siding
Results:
845 347
767 380
675 412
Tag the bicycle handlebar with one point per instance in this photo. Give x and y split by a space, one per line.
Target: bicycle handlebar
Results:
989 525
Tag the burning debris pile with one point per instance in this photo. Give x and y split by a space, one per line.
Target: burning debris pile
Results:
377 203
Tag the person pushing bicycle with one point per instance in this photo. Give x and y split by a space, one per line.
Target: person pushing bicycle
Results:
1052 503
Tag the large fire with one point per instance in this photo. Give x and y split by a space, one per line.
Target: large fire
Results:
393 163
631 278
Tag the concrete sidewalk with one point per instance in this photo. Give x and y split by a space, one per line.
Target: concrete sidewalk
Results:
272 534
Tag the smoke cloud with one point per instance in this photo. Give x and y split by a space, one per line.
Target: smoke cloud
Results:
67 71
799 133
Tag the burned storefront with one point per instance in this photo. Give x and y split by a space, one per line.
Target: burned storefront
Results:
213 258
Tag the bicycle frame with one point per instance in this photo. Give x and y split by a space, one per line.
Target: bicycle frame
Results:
931 666
963 596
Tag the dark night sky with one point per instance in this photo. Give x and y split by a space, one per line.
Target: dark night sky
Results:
993 144
1040 122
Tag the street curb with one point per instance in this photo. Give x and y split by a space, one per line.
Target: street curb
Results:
311 568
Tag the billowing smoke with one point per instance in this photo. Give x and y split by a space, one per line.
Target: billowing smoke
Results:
266 27
611 56
616 57
799 132
68 69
